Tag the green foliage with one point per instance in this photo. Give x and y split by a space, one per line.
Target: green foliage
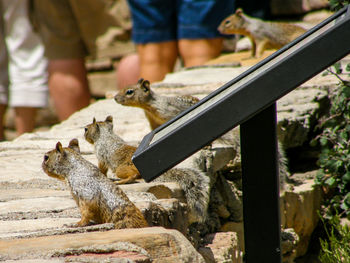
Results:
336 247
334 159
338 4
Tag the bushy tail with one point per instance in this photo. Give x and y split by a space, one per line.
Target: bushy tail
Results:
195 185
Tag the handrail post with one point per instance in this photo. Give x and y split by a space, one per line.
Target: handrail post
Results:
260 181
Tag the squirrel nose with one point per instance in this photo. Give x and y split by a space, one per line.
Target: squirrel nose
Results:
85 129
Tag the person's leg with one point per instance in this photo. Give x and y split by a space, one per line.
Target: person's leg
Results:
198 51
2 128
157 59
199 39
128 71
154 33
68 86
25 119
4 79
66 50
27 65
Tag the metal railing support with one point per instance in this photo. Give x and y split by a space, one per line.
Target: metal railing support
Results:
260 180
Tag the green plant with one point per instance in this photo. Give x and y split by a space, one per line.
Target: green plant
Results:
334 140
336 247
338 4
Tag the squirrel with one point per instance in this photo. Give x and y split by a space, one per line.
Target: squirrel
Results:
97 197
262 34
196 187
111 151
158 109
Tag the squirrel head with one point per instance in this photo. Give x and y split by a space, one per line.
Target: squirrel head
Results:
135 95
92 132
58 162
233 24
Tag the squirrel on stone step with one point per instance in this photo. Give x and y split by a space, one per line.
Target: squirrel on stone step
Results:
158 109
262 34
112 152
97 197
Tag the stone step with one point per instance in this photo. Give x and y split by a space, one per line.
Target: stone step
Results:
157 243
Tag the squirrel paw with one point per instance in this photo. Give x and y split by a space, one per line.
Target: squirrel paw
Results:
129 180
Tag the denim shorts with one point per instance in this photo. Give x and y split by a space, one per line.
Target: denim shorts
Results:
167 20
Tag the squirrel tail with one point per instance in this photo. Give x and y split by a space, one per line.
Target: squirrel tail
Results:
196 187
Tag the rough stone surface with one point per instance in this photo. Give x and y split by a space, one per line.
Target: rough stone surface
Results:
221 247
162 245
299 211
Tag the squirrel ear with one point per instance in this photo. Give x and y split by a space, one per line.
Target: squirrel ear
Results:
59 147
109 119
239 11
94 120
140 81
74 145
145 86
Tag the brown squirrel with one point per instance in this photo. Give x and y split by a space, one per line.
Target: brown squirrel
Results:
97 197
158 109
262 34
111 150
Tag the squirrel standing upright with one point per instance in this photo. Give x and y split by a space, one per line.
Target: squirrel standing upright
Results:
262 34
111 150
97 197
158 109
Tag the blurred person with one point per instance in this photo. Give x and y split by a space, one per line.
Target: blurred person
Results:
164 30
23 67
70 30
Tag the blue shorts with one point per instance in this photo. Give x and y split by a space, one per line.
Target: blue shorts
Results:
167 20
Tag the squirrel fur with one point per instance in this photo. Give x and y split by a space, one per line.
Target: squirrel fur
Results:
262 34
97 197
158 109
112 152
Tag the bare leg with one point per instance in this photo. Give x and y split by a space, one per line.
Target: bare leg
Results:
128 71
25 119
2 114
198 51
157 59
68 86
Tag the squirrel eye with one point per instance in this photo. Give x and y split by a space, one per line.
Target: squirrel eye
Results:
85 129
227 22
129 92
46 157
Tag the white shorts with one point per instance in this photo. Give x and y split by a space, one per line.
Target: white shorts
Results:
23 67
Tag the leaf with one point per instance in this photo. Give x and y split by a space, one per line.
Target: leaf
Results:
323 141
331 182
346 91
347 199
338 68
346 178
319 177
313 143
